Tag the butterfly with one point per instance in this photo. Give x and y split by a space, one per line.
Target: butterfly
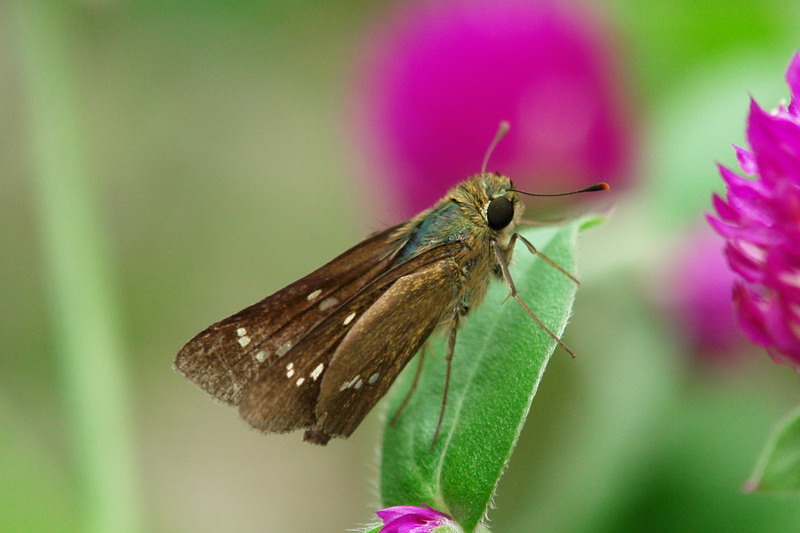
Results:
318 354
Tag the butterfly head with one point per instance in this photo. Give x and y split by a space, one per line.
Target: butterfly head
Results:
492 202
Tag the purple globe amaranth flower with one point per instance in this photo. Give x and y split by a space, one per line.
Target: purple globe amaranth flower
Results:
701 297
761 222
410 519
439 77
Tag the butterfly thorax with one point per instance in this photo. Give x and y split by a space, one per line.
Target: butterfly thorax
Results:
462 216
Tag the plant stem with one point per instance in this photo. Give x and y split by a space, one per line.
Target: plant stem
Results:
76 264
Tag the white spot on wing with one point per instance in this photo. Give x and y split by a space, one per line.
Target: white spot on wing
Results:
261 357
299 381
349 318
314 295
290 373
285 347
350 383
373 378
317 371
327 303
244 341
358 384
241 332
290 366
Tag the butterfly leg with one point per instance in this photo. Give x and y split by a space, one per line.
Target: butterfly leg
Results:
532 249
501 260
451 346
410 392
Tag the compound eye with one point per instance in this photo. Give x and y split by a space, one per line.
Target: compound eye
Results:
499 212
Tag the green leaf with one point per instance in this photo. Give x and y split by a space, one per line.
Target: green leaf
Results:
778 468
499 360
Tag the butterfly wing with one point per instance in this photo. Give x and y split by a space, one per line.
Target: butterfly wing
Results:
225 359
382 342
286 394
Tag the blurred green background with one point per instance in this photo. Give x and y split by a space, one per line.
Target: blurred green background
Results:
213 142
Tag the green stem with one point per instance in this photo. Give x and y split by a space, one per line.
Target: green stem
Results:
76 265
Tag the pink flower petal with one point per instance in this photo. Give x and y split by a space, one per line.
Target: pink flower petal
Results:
751 316
742 187
747 161
776 143
411 519
723 209
793 79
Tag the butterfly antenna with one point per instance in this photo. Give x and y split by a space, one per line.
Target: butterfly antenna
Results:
502 129
602 186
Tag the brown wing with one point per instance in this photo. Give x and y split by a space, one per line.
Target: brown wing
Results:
285 395
225 359
381 343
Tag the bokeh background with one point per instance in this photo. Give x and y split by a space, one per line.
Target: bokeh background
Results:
198 155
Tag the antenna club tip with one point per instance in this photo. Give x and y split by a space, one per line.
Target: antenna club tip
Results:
602 186
504 126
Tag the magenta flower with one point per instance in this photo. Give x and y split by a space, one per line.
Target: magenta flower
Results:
410 519
441 75
761 222
701 296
